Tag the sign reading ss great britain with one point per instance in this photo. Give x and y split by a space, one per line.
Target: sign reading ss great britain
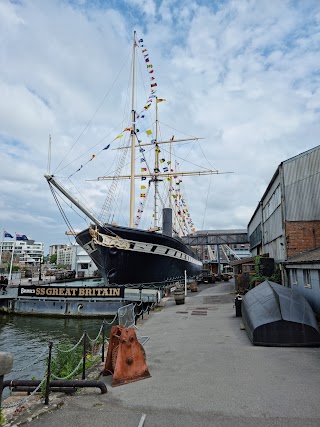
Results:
71 292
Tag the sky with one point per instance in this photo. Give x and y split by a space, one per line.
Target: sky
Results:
243 75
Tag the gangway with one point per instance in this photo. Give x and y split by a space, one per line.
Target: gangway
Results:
211 255
226 249
216 237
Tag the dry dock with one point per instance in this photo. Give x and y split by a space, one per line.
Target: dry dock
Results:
205 372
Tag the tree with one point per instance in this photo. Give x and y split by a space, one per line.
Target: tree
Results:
53 259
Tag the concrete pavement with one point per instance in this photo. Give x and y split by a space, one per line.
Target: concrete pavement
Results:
205 372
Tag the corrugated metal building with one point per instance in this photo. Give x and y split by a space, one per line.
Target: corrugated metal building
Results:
303 275
287 220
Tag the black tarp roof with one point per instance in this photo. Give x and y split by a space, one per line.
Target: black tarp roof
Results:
275 316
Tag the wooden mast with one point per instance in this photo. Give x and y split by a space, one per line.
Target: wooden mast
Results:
133 131
156 172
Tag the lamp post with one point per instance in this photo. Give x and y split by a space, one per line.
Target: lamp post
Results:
40 276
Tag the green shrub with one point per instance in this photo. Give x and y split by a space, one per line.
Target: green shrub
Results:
2 418
259 278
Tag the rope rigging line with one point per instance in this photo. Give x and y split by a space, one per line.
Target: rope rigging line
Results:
85 219
60 209
205 208
106 208
206 157
188 161
55 196
90 150
94 114
71 229
177 130
81 195
120 125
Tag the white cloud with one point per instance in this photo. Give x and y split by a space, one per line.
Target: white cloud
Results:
148 7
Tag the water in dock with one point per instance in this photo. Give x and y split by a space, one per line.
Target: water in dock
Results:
26 337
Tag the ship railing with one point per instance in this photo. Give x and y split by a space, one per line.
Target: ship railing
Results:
151 285
126 316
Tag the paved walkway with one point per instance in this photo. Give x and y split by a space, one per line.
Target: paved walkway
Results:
205 372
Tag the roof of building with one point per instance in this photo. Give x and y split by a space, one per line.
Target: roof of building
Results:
311 256
276 173
242 261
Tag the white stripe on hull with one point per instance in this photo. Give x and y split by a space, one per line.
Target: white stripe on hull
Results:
134 246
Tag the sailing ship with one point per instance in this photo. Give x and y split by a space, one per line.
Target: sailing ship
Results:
130 255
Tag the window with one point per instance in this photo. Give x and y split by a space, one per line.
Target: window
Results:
306 278
84 266
294 280
248 267
272 204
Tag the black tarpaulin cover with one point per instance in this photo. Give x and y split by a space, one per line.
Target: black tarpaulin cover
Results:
275 316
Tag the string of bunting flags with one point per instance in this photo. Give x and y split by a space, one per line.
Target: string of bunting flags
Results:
181 205
179 202
174 182
141 114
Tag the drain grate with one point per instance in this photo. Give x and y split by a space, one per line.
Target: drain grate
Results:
199 313
182 312
208 308
219 299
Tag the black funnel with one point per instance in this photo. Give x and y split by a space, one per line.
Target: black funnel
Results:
167 222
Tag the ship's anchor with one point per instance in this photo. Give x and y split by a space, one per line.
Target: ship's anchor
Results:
126 358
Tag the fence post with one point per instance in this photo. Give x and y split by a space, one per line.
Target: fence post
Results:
103 339
46 400
6 360
84 355
135 314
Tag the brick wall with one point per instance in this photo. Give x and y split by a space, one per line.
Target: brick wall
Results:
302 236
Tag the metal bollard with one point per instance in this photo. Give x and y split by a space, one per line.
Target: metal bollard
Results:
47 392
103 340
84 355
238 303
6 361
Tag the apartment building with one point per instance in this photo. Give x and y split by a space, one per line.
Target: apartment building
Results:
26 252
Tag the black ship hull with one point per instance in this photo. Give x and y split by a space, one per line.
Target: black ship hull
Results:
127 256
